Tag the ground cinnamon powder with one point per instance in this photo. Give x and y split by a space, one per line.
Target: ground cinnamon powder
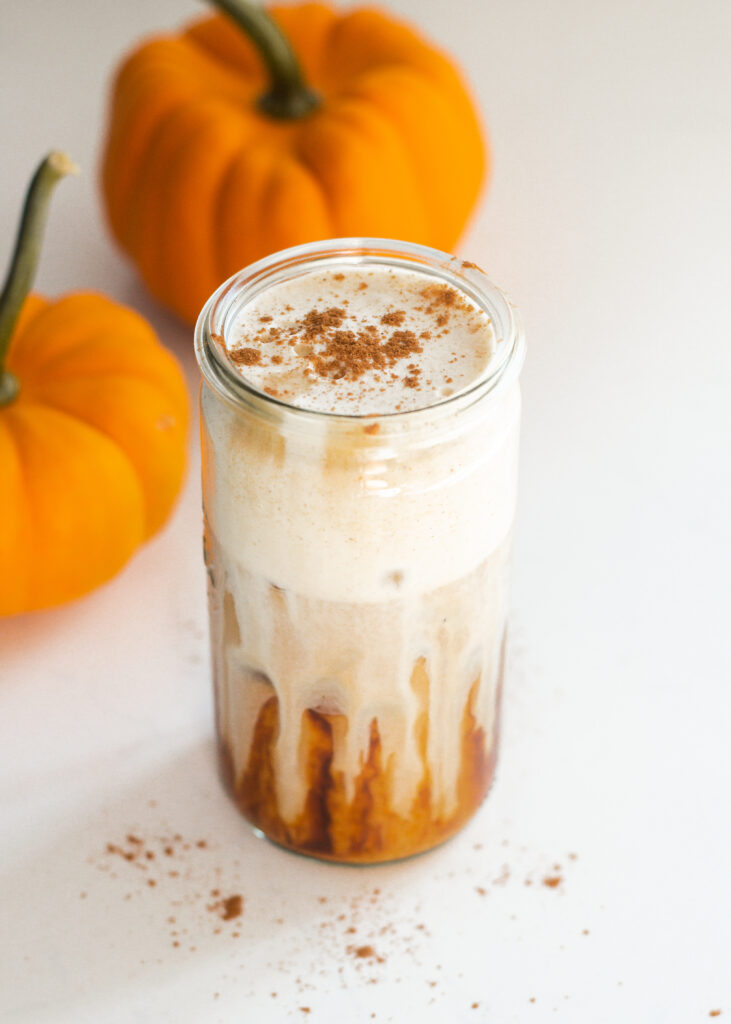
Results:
368 915
246 356
394 319
440 296
232 906
153 855
365 953
351 353
552 881
316 322
331 348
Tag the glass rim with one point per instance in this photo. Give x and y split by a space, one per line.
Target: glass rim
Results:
229 298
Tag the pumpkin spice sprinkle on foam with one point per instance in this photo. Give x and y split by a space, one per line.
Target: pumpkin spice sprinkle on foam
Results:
368 340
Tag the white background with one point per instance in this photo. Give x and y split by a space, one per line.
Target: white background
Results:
608 219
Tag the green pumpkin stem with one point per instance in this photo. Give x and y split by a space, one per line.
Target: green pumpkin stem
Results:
288 97
24 261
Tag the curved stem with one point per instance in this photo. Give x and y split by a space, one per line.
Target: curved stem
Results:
24 261
288 97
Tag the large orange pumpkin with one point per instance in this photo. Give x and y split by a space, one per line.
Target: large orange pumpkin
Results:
226 143
93 424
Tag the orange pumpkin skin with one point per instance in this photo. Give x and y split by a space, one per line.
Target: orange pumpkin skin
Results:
92 449
198 182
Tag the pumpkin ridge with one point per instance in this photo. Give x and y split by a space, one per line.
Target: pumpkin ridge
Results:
35 403
385 31
33 307
430 212
229 44
250 141
148 214
221 71
200 134
129 199
92 428
220 255
264 204
301 158
28 516
280 185
192 71
380 115
326 48
203 46
441 215
82 325
231 254
86 312
296 157
87 346
313 63
175 397
38 588
144 211
429 75
137 418
354 139
124 151
39 397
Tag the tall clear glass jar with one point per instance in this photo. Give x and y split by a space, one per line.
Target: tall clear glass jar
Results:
358 574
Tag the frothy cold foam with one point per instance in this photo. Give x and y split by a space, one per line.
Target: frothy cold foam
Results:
338 517
362 341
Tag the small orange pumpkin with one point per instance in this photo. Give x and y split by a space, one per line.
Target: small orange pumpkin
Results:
221 151
93 424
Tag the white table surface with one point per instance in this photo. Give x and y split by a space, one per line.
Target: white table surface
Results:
608 219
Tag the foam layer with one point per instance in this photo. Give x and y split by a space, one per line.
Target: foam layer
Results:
363 340
360 517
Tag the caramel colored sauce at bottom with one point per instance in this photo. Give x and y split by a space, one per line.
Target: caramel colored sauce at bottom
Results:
364 829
